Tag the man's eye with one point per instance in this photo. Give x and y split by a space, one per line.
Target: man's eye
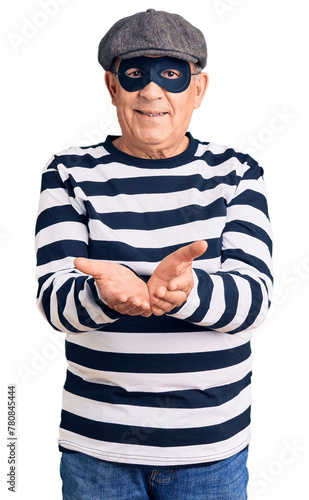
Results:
134 73
171 74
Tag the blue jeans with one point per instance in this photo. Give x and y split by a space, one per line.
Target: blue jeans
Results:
88 478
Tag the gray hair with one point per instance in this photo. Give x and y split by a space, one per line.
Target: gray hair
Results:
197 69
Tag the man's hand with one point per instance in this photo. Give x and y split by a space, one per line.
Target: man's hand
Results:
119 287
172 280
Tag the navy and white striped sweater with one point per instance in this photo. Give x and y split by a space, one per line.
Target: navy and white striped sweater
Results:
170 390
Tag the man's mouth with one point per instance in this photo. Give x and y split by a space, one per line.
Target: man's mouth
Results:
151 114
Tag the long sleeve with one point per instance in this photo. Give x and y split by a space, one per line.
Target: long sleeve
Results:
99 207
237 296
67 298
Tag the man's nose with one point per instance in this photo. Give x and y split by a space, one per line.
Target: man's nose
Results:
152 91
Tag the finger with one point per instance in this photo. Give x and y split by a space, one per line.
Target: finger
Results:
139 311
192 251
171 300
115 302
160 292
133 306
146 314
126 308
176 298
112 300
157 311
88 266
139 301
164 309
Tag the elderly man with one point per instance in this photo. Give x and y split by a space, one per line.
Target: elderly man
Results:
154 256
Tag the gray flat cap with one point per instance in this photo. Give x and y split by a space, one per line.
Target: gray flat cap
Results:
153 33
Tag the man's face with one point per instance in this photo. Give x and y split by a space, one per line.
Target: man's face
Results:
152 117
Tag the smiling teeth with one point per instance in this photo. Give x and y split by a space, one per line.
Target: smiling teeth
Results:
152 114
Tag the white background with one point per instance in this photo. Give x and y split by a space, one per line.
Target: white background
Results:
53 96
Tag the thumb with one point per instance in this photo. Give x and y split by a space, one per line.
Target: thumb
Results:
192 251
88 266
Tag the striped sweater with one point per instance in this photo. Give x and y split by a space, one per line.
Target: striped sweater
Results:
171 390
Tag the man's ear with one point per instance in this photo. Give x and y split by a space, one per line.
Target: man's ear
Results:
201 85
110 82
